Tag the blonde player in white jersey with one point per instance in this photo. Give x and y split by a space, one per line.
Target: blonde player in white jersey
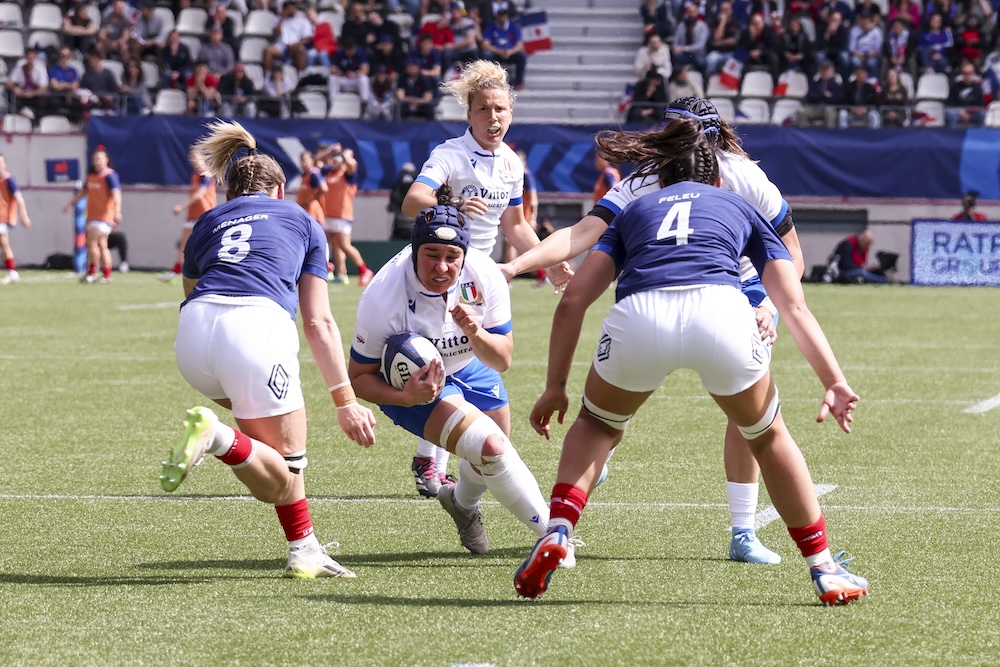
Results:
488 175
739 175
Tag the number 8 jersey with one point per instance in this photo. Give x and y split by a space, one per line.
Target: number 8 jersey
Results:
254 246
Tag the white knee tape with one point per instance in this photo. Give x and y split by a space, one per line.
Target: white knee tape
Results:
297 462
613 420
449 425
470 446
761 427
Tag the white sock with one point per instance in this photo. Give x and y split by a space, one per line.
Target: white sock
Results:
222 439
822 558
742 504
309 542
470 487
426 449
515 488
441 457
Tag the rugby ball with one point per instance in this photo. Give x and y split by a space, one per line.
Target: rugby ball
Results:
404 354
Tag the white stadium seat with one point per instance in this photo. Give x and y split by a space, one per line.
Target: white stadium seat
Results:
45 16
54 125
753 111
933 86
170 102
346 106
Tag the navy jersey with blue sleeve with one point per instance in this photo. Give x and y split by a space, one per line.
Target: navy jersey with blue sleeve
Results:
687 234
254 246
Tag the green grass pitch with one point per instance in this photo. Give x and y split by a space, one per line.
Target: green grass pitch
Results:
99 567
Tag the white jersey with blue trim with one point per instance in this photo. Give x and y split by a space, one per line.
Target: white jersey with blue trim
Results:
740 175
687 234
472 171
395 301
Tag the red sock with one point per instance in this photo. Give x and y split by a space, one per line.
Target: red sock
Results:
362 267
176 269
295 520
92 269
239 452
540 274
567 503
811 539
106 270
11 266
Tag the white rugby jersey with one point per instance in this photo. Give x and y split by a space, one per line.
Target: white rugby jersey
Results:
395 301
739 175
473 172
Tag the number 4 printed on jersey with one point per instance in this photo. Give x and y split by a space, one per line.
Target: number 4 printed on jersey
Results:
681 214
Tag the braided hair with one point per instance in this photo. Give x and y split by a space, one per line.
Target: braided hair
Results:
675 152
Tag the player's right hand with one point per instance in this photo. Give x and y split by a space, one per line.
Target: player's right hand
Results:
358 422
552 400
426 385
474 207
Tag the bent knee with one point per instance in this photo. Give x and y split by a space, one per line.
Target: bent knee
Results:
493 447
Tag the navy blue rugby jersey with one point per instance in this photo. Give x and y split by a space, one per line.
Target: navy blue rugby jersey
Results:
254 246
687 234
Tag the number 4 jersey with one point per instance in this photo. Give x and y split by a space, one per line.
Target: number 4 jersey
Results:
687 234
254 246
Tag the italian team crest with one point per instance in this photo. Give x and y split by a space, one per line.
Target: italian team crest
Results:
471 295
506 167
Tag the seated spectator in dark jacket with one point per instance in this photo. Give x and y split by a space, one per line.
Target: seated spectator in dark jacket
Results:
429 57
101 85
115 34
238 93
389 53
849 262
797 49
415 94
832 42
759 42
219 18
825 93
861 98
502 42
936 45
970 42
217 54
899 47
657 19
892 100
146 34
966 100
177 62
649 99
79 30
724 36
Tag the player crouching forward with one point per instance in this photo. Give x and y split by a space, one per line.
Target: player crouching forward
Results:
456 297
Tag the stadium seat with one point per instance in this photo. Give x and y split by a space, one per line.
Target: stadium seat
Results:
150 74
346 106
54 125
191 21
716 89
796 85
260 23
785 111
405 22
933 86
906 81
993 115
696 79
808 27
193 43
16 124
252 50
757 84
11 44
725 107
448 109
170 102
291 76
45 16
167 16
314 102
94 12
45 39
256 74
237 21
116 68
335 19
753 111
11 16
928 113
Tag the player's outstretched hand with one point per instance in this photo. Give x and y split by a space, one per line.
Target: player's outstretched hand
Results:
839 400
559 276
551 401
426 385
358 422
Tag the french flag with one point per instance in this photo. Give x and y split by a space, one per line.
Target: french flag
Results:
732 70
535 32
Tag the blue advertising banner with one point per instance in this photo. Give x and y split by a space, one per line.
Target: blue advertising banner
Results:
65 170
955 253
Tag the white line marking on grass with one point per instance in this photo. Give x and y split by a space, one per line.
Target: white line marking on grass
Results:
149 306
769 514
983 406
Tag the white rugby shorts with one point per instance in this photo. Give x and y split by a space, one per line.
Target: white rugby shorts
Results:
709 329
246 351
5 228
105 228
338 226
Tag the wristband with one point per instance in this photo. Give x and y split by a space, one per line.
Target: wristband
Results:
343 395
768 305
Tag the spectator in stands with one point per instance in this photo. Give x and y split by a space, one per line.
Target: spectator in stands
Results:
868 8
900 47
415 94
649 99
202 91
116 32
502 43
146 34
382 105
725 36
276 101
177 62
797 49
936 45
217 54
657 19
907 11
860 98
969 211
389 54
970 42
382 27
691 39
439 29
134 90
825 10
79 30
465 47
982 10
654 55
946 8
358 28
825 93
220 18
681 85
893 100
99 90
28 85
293 33
866 43
238 93
966 100
759 42
849 262
349 71
429 58
324 41
832 42
64 81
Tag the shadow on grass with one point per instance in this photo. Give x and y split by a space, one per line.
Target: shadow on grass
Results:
401 601
49 580
268 564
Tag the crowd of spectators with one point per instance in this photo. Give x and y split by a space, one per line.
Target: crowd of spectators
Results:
254 57
860 57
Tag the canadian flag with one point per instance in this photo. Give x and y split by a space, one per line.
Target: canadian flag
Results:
732 70
535 32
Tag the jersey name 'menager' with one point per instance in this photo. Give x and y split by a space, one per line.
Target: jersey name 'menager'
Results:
247 218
